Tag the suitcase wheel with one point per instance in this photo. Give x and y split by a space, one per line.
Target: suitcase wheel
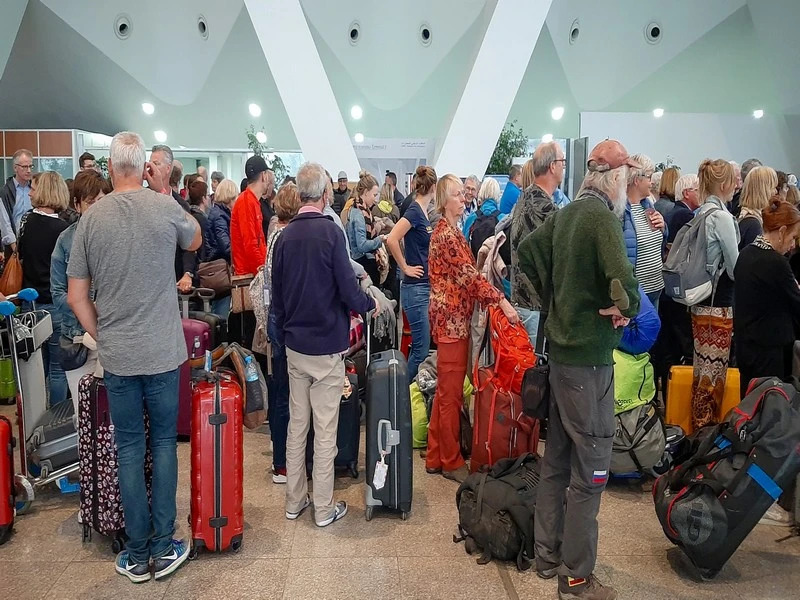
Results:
368 513
196 546
404 515
353 467
24 494
708 574
236 546
117 545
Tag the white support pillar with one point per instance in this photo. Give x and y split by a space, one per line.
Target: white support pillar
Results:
302 83
492 86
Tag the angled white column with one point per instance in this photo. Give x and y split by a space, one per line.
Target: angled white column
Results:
303 84
492 86
11 13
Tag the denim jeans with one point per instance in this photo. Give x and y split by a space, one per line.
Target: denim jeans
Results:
529 320
57 387
278 398
415 299
654 298
149 525
221 306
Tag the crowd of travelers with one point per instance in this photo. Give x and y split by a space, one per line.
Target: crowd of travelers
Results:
107 256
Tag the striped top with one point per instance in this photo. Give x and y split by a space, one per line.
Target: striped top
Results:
648 250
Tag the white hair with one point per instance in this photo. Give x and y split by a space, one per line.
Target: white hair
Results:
655 182
685 182
475 179
127 154
647 166
490 190
613 183
545 155
311 182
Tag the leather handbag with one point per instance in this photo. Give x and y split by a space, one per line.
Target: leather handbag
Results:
215 275
240 293
11 280
71 355
535 391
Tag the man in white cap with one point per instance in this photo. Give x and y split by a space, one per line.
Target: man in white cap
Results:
341 194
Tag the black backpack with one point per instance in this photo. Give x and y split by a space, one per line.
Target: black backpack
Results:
495 511
481 230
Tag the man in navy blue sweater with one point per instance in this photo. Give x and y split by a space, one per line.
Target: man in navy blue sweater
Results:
313 290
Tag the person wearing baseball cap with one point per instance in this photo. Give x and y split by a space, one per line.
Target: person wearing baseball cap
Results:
576 262
341 194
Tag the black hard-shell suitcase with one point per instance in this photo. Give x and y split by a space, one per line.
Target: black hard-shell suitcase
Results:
388 437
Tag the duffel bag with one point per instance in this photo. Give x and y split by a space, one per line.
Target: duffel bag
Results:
495 511
640 440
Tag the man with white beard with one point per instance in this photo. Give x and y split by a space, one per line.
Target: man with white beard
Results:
576 262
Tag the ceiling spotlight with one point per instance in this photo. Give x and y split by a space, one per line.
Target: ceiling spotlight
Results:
359 138
757 114
356 112
658 113
547 138
255 110
557 113
261 137
161 136
148 108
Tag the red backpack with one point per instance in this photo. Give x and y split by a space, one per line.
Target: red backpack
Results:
512 350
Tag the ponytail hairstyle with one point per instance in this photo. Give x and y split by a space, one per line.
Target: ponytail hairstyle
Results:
424 180
365 183
779 213
443 189
528 174
713 175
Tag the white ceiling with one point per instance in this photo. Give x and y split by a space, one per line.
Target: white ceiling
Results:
67 69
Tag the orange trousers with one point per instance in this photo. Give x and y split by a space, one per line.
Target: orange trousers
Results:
444 430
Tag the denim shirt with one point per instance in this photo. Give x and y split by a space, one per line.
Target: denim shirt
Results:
722 234
70 327
360 246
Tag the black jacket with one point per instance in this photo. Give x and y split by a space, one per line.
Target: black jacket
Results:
8 193
339 199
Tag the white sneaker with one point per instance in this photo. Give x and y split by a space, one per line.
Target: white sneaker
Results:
278 477
339 512
777 516
294 515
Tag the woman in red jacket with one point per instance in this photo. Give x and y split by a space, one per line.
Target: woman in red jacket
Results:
456 285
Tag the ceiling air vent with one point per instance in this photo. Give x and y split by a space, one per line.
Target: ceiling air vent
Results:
653 32
425 35
355 32
202 27
574 31
122 26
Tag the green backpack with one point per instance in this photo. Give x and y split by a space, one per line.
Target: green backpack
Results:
634 384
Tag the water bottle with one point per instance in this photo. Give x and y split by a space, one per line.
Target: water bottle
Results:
250 371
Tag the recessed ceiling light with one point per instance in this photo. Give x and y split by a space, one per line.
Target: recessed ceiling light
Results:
547 138
261 137
356 112
148 108
557 113
161 136
359 138
658 113
255 110
758 113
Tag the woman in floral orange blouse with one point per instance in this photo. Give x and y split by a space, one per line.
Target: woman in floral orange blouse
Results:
456 285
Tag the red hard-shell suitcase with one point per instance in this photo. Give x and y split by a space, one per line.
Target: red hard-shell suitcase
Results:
197 335
217 516
6 479
101 502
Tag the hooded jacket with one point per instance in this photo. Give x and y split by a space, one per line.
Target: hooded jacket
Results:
531 211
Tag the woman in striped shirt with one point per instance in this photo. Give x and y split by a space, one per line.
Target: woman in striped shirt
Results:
644 230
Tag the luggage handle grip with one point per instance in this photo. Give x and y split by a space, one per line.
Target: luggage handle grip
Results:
392 437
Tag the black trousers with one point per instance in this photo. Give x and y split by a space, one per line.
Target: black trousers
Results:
762 361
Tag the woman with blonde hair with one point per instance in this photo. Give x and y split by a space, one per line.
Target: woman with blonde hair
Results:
666 192
759 186
217 236
39 231
712 318
456 285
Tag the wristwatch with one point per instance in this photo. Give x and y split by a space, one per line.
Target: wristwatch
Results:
191 275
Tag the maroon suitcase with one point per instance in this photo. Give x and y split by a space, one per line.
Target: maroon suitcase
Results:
6 479
197 335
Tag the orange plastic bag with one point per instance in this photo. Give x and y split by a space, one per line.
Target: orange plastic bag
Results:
11 279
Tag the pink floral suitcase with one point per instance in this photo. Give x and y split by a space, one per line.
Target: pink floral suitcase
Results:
101 505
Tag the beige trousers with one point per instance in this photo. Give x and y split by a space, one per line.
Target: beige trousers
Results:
315 391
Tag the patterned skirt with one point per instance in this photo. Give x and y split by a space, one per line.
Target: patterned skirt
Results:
712 328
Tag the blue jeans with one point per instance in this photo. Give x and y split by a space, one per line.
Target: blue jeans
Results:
57 387
415 299
221 306
654 298
149 525
529 320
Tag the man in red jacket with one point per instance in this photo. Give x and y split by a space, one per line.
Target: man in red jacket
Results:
248 246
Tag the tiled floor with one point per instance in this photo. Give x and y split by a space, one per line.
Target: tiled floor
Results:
386 558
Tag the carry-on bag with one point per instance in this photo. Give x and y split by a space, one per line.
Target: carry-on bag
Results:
7 499
197 336
217 516
500 428
708 503
389 471
101 502
496 511
640 439
53 443
678 409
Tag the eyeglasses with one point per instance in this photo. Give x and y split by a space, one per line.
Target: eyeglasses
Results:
564 160
24 167
645 175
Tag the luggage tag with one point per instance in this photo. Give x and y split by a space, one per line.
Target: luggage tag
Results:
381 470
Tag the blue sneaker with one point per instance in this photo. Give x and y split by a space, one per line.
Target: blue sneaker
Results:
136 573
171 562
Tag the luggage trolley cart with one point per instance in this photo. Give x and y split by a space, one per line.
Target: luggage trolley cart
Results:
21 338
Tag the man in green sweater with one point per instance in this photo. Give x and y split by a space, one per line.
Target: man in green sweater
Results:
577 263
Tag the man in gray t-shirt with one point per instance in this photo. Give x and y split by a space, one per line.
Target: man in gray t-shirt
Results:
124 248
